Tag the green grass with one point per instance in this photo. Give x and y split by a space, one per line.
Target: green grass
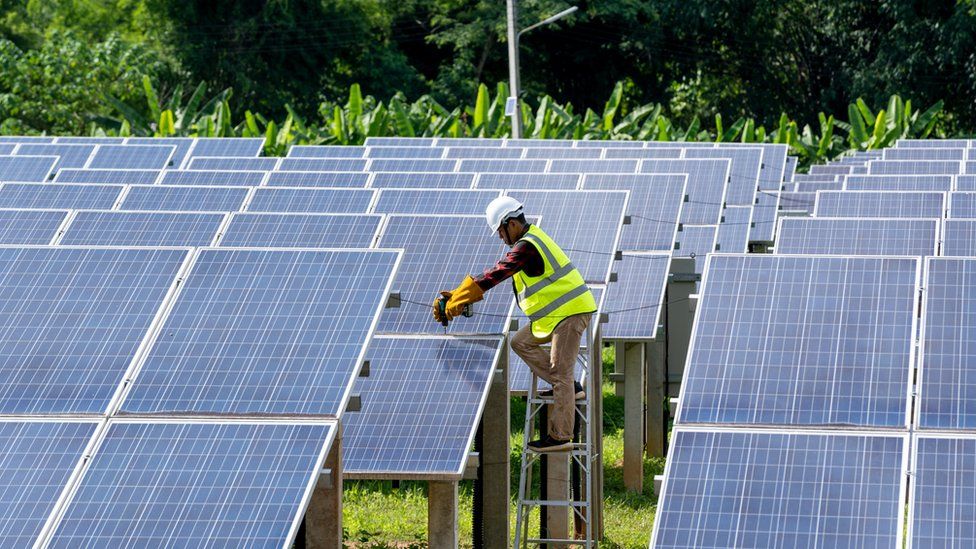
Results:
375 515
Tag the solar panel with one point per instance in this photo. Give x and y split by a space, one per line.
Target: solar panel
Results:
797 202
196 484
915 167
959 238
258 331
234 146
965 183
438 260
430 201
310 200
131 157
644 153
654 207
543 181
939 183
707 180
556 143
182 144
108 228
326 151
943 489
726 488
7 148
696 241
969 168
764 216
408 165
37 460
322 165
54 196
30 226
858 236
118 177
831 169
805 186
213 178
25 139
484 152
74 319
796 340
818 177
562 165
546 152
182 198
605 144
404 152
318 179
421 405
880 204
774 164
962 205
924 154
746 163
456 142
400 141
71 156
585 224
634 301
89 140
230 163
301 230
791 164
419 180
27 168
503 166
933 143
733 233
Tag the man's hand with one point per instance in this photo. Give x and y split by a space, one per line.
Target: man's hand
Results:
468 292
437 306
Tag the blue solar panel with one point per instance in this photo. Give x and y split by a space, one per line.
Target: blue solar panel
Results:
322 165
326 151
924 154
318 179
182 145
585 224
484 152
880 204
311 200
37 459
92 228
7 148
118 177
943 489
934 143
832 169
419 165
132 157
635 299
707 181
421 180
818 177
186 198
858 236
776 489
797 202
301 230
969 168
440 201
27 168
546 152
257 331
791 163
89 140
774 164
644 153
195 484
69 196
915 167
807 186
482 142
606 144
593 166
234 146
437 261
25 139
421 405
959 238
72 156
231 163
744 169
965 183
400 141
764 216
405 152
733 233
74 319
543 181
962 205
696 241
556 143
795 340
654 207
503 166
939 183
30 226
213 178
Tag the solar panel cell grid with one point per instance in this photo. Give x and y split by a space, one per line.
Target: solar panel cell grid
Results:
845 236
71 156
542 181
943 489
402 141
707 181
230 163
213 178
644 153
503 166
57 196
484 152
131 157
310 200
797 202
30 226
873 204
327 151
177 198
419 165
637 295
91 228
405 152
959 238
962 205
696 241
915 167
318 179
764 216
440 201
301 230
27 168
743 171
654 205
118 177
233 147
924 154
182 144
562 165
420 180
937 183
545 152
733 233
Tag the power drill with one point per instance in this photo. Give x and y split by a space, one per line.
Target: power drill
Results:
442 306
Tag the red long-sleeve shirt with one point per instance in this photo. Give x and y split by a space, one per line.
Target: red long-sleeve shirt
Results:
522 257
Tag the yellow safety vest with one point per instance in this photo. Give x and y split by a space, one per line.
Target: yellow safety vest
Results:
557 293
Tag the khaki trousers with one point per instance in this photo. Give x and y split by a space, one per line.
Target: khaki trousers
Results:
556 367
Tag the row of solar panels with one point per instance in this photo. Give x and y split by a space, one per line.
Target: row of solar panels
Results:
941 183
803 348
877 236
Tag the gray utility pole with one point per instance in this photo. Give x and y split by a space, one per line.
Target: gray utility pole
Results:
512 105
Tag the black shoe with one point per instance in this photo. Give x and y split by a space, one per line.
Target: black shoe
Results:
550 445
580 393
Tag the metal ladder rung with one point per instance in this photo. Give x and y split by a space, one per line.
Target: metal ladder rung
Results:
554 503
556 540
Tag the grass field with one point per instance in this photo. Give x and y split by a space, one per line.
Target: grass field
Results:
378 516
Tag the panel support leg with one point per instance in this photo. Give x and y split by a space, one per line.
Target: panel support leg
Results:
442 514
323 524
633 360
495 458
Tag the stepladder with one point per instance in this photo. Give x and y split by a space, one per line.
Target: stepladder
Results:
563 490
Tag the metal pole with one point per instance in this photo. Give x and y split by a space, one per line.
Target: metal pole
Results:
513 69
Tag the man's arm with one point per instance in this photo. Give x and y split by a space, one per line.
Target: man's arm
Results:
522 256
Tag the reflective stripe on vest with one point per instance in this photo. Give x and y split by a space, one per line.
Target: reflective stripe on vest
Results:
558 292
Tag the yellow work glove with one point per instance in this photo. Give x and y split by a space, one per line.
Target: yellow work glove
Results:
437 309
468 292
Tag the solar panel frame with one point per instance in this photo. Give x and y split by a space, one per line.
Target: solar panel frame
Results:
706 194
69 156
353 180
923 204
133 157
640 324
111 176
55 220
182 144
733 232
233 163
106 196
27 169
422 180
861 236
649 211
442 201
213 178
744 171
238 222
263 199
226 146
98 228
322 165
937 183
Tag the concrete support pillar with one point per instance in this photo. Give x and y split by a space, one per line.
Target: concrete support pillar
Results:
631 354
442 514
495 457
655 417
557 480
323 519
681 284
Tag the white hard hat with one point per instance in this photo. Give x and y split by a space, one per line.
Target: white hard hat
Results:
500 209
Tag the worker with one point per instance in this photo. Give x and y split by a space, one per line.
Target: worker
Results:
552 293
